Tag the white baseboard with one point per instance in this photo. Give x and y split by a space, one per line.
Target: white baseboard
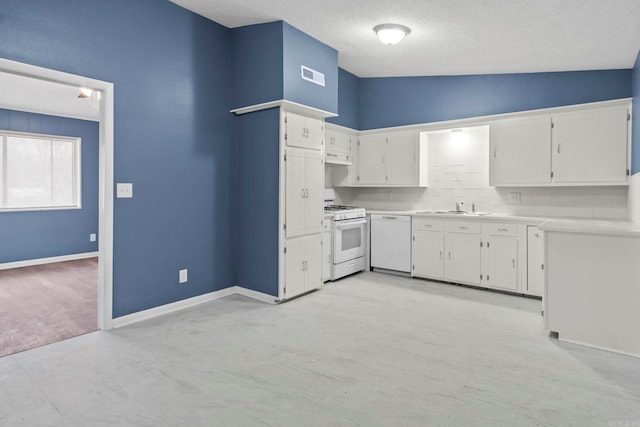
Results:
40 261
189 302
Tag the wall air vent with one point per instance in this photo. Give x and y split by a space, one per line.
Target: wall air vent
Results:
312 75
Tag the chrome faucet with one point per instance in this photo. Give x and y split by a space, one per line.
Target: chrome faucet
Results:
458 205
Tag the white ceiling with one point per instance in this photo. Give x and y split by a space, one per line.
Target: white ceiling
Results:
40 96
454 37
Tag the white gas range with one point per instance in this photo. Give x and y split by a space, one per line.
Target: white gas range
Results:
348 230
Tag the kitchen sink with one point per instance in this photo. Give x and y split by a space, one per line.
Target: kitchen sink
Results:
453 212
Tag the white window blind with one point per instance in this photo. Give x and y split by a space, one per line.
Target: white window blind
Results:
39 172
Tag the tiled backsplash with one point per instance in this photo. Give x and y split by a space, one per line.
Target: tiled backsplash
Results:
459 172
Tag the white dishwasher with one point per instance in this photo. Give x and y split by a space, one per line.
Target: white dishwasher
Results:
391 243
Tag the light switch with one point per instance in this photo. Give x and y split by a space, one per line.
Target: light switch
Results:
124 190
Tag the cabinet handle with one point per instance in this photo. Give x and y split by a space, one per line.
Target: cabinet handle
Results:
306 193
331 155
449 255
428 225
513 262
440 254
302 195
503 229
302 265
558 148
494 152
383 159
463 228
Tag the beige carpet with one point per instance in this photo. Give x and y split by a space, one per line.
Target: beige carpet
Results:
47 303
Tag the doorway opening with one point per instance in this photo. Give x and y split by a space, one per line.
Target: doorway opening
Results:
72 268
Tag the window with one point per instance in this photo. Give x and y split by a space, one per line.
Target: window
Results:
39 171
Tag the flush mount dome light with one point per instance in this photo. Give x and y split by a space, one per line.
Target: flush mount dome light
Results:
391 33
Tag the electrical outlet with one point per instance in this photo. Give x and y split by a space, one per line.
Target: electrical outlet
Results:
183 276
124 190
514 197
92 237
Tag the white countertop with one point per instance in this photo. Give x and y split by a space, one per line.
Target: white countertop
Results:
585 226
488 217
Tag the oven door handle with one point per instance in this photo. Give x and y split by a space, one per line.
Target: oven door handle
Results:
350 225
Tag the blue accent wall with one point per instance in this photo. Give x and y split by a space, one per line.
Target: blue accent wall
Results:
396 101
173 132
348 88
43 234
635 123
257 200
256 64
302 49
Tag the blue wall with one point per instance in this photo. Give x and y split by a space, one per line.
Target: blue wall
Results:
43 234
301 49
396 101
257 198
348 88
256 64
635 123
173 132
265 66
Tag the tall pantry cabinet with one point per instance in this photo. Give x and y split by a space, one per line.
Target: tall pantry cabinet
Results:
279 200
302 173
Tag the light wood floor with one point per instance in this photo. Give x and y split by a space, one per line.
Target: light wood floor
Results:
47 303
369 350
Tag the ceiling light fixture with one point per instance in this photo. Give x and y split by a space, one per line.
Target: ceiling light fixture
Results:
391 33
85 92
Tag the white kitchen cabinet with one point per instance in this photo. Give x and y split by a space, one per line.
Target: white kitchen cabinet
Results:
303 132
326 250
462 258
427 250
303 264
391 159
502 263
338 146
588 145
535 261
303 192
520 151
402 158
428 254
372 159
591 146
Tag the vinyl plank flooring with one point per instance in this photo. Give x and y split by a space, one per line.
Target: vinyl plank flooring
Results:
369 350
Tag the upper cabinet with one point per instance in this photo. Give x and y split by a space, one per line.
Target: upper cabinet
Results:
338 146
303 132
588 146
591 147
391 159
520 151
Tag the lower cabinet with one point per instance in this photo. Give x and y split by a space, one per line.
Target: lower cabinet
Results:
462 263
535 261
468 252
326 252
303 264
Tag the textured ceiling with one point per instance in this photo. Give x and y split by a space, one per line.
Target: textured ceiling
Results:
452 37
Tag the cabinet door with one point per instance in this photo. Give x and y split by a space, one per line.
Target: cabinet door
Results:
402 166
590 146
313 258
315 133
520 152
462 260
326 256
502 262
295 266
295 186
337 141
314 198
535 261
428 254
371 160
304 132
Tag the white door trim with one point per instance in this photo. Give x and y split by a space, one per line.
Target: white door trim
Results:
105 197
